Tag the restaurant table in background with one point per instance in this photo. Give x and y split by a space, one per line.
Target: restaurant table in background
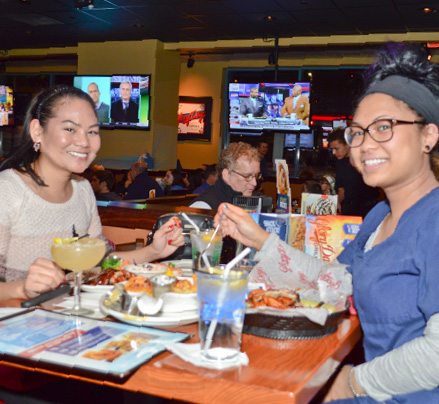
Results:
280 371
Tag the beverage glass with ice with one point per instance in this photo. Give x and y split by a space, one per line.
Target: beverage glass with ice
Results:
221 313
200 241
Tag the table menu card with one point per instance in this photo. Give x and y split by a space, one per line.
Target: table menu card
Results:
78 345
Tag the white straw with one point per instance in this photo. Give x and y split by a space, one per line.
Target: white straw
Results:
190 221
222 295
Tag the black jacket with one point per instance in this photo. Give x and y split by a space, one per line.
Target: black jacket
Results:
218 193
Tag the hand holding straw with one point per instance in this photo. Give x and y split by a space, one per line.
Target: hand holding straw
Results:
222 295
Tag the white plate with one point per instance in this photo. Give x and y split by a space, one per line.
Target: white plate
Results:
158 320
185 265
146 269
96 288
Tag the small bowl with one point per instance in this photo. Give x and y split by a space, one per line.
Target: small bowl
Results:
161 284
179 302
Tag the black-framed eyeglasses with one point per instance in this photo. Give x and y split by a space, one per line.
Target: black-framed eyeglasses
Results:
249 177
381 131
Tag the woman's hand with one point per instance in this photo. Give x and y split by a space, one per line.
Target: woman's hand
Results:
340 388
238 224
44 275
167 239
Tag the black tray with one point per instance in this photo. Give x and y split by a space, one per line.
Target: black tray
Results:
280 327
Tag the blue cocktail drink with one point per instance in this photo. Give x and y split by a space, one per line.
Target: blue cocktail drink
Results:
221 313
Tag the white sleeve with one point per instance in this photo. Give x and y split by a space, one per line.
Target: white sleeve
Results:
200 205
412 367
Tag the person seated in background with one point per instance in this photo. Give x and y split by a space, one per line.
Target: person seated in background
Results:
239 172
175 184
44 197
196 179
210 177
102 183
312 187
263 148
393 139
327 182
140 185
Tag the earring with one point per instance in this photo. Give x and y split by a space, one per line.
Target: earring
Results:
37 146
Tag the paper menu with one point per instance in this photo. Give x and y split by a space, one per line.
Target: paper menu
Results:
109 350
317 204
283 187
327 236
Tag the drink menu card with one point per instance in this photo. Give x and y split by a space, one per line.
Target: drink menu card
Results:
87 347
283 187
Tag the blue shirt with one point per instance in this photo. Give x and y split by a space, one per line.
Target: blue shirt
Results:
396 283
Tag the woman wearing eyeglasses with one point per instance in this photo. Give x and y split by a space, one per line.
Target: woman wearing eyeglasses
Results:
393 260
240 172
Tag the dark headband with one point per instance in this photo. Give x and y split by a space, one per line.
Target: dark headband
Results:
50 94
413 93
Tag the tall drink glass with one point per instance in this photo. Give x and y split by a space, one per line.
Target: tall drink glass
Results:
200 240
77 256
221 313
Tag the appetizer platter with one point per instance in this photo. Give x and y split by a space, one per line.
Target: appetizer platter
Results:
134 302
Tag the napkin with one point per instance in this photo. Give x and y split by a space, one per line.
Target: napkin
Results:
88 301
192 353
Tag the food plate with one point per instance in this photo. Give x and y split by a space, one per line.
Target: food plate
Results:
147 269
96 288
185 265
163 319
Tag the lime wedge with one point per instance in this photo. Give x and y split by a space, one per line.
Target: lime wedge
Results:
65 240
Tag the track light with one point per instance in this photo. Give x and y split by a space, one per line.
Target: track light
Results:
79 4
190 61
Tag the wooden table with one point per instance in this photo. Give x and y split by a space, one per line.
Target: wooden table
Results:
288 371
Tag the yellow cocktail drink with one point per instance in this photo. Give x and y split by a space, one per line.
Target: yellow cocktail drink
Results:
78 255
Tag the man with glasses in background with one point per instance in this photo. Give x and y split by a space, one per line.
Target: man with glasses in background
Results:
355 198
239 171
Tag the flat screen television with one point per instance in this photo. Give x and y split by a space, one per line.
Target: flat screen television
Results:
306 140
98 87
269 106
6 106
123 101
130 101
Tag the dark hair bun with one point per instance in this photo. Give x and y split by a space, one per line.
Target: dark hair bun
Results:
407 60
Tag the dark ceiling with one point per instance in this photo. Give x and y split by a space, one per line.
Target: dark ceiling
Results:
54 23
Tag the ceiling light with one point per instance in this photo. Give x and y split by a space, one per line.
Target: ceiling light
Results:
428 10
270 18
79 4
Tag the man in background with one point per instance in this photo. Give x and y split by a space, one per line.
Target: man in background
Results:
102 182
140 185
297 104
102 109
210 177
253 105
125 109
355 198
263 150
239 172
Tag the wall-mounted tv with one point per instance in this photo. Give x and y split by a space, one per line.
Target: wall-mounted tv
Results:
122 101
6 106
269 106
306 140
98 87
130 101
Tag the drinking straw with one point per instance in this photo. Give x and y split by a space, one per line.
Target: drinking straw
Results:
190 221
222 295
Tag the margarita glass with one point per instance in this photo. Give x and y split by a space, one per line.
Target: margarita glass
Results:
77 255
